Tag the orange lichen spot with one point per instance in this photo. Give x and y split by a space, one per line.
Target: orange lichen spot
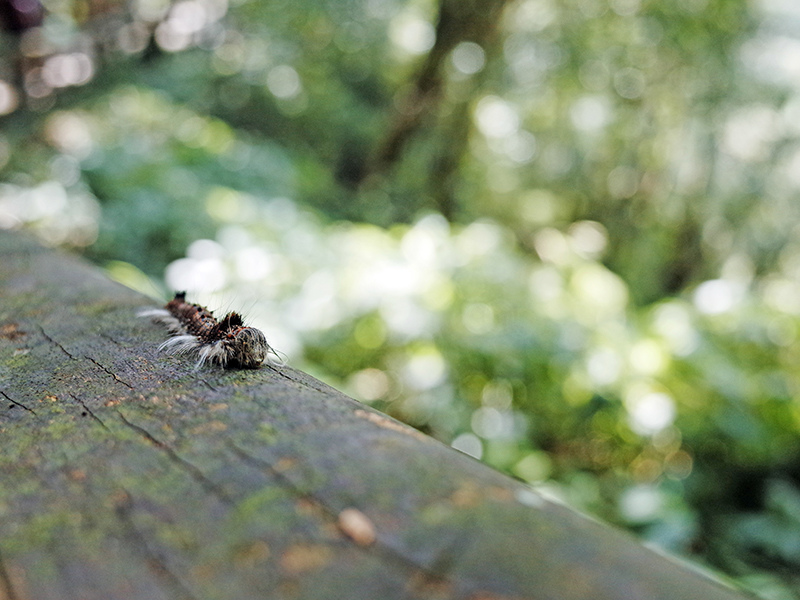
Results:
501 494
218 406
357 526
11 331
387 423
120 498
302 558
284 464
210 427
307 507
250 555
467 495
77 475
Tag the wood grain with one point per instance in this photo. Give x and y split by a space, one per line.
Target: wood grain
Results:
126 474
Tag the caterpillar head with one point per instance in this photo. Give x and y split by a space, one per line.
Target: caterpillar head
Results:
248 348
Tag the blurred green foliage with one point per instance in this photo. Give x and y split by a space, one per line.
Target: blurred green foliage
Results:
559 235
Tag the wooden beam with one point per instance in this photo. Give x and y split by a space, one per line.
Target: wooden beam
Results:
126 474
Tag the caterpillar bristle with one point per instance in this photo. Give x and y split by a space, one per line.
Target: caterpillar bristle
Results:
227 343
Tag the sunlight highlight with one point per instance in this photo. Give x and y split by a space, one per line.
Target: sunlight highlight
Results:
649 410
496 118
411 33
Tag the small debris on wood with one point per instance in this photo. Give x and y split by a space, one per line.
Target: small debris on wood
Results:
357 526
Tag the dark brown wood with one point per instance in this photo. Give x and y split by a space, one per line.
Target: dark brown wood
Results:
126 474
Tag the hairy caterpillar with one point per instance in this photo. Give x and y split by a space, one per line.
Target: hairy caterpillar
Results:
227 342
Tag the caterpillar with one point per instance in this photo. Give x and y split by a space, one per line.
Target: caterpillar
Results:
194 329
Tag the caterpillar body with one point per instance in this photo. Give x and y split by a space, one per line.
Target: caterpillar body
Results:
194 329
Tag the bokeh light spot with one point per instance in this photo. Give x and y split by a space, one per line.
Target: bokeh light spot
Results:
425 369
649 411
715 297
412 33
640 504
284 82
470 444
9 98
370 384
468 58
496 118
478 318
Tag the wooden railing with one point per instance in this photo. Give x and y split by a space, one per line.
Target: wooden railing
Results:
127 474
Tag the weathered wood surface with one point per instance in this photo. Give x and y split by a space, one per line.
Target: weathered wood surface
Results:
125 474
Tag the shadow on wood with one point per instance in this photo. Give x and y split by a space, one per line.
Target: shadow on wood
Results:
126 474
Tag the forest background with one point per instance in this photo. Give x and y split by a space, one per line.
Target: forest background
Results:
560 235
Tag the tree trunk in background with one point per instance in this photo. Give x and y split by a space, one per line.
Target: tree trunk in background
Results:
459 21
126 474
